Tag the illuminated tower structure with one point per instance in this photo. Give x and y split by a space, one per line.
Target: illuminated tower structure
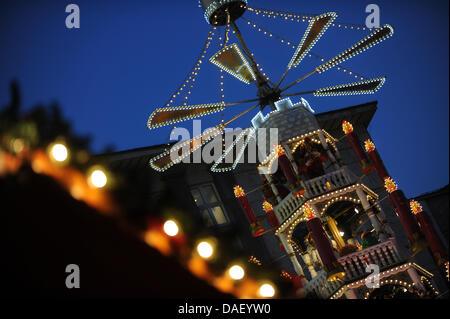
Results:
329 222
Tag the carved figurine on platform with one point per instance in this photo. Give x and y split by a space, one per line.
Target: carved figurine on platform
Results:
310 158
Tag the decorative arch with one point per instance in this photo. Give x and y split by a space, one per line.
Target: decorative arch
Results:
343 198
394 282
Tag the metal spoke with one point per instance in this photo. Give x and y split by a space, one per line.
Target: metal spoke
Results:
242 113
247 52
299 80
299 93
241 102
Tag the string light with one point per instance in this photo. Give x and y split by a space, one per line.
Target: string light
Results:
301 17
249 133
266 291
190 77
163 161
170 115
98 178
377 36
236 272
59 152
241 71
171 228
296 217
205 250
314 32
289 43
363 87
281 14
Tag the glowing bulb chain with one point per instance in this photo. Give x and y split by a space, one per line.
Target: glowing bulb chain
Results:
222 44
261 69
191 76
190 82
293 46
303 17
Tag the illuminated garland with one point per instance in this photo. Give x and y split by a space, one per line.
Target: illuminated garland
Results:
163 161
363 87
194 71
250 133
302 17
272 13
171 115
261 69
290 44
296 216
380 34
314 32
232 52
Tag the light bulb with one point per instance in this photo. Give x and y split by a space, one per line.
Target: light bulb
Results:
171 228
236 272
59 152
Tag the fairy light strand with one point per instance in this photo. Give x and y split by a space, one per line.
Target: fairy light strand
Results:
303 17
191 76
293 46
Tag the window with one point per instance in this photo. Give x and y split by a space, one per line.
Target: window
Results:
209 204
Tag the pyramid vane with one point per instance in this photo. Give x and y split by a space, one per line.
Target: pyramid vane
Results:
377 36
171 115
181 150
232 60
240 143
314 32
362 87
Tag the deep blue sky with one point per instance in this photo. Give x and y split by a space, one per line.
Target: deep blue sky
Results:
129 56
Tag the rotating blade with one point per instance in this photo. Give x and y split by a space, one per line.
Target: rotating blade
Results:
181 150
231 60
380 34
362 87
316 29
170 115
240 143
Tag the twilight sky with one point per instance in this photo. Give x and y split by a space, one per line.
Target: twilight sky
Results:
129 56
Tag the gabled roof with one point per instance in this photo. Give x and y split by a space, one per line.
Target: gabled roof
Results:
361 114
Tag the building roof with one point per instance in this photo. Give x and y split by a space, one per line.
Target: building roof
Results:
439 192
361 114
